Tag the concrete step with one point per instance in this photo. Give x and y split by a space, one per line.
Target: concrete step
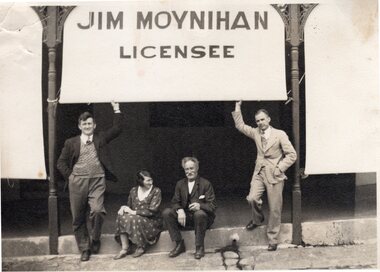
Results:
339 232
215 238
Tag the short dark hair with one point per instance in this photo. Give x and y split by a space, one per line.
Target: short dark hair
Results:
262 111
84 116
140 177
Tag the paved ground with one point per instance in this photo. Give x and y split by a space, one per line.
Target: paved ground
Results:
251 258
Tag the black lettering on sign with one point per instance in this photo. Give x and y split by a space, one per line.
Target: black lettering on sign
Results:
111 21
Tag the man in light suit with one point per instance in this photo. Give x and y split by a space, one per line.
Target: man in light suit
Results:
275 154
85 164
193 206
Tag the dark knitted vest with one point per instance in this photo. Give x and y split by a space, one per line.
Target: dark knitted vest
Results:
88 163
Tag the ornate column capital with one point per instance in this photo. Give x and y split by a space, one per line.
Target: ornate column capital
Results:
304 12
56 25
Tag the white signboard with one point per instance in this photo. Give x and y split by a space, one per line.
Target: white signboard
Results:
22 148
173 51
341 60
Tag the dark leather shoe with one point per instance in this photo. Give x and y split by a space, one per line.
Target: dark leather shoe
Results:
179 248
251 225
95 247
85 255
272 247
199 252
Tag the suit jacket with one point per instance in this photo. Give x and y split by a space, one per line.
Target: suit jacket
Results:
70 152
279 151
202 192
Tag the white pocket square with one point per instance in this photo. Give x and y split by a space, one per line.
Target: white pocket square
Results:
202 197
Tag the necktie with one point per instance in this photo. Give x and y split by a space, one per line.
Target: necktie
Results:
263 141
88 140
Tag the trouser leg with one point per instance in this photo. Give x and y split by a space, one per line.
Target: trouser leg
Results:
201 222
274 192
78 204
97 187
254 198
170 217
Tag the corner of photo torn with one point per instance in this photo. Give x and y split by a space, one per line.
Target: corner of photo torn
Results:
15 26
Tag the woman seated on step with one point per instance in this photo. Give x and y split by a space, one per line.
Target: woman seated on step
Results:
139 223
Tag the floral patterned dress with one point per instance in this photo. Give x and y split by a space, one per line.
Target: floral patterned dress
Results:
145 227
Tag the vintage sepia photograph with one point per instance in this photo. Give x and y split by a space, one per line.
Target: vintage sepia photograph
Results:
189 135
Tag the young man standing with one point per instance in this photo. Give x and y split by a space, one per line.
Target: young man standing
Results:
85 165
275 154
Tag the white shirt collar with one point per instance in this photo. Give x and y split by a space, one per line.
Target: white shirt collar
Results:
84 138
267 132
190 185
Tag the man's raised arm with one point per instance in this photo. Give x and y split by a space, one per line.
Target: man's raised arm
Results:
239 122
116 128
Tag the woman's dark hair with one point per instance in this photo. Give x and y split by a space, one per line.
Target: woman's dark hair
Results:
140 176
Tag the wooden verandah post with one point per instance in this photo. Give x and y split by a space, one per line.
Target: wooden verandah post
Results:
52 18
51 42
294 17
294 28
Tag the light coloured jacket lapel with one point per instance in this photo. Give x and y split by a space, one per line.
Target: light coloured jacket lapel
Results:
272 139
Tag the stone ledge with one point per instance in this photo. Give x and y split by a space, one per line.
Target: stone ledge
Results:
215 238
338 232
25 246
